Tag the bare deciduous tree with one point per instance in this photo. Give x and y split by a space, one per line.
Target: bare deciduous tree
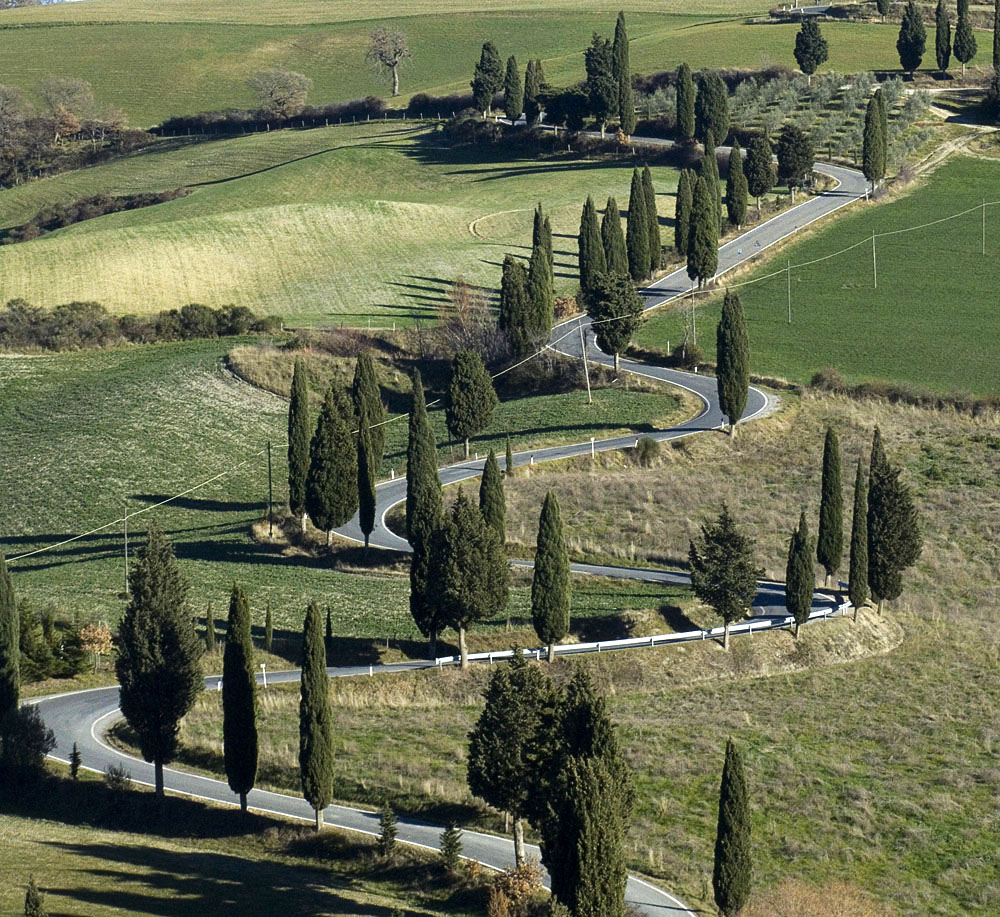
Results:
387 51
280 92
69 100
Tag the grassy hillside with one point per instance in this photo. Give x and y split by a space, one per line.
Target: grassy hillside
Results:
932 321
305 224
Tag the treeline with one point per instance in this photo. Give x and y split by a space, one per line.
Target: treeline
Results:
83 325
58 216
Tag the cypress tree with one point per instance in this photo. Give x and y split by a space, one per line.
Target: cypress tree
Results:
710 169
883 7
799 577
423 514
368 407
711 108
613 239
810 48
157 666
602 88
795 157
492 504
760 168
532 108
10 634
623 77
685 103
513 91
653 240
268 630
366 482
942 36
616 310
591 248
736 187
894 539
551 589
996 36
332 485
487 80
540 296
732 347
387 830
508 464
733 873
209 634
682 212
873 144
912 39
830 538
470 399
703 235
965 37
299 434
239 700
637 230
469 569
541 236
513 318
883 114
315 718
858 575
75 760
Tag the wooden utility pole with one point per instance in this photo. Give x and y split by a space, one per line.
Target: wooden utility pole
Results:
270 495
586 365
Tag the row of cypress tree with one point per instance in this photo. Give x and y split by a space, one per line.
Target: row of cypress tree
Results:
519 97
701 110
526 307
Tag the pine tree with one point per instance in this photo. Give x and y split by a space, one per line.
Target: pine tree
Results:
682 212
488 78
942 36
470 399
500 767
268 630
451 847
873 144
532 89
513 318
733 873
894 539
654 242
685 103
34 900
469 569
602 88
158 667
513 91
795 157
299 433
387 831
613 239
551 589
912 39
75 760
332 485
703 235
616 311
540 296
423 514
315 718
799 576
623 77
711 108
810 48
965 37
722 571
830 538
710 169
591 248
858 574
760 168
209 634
366 482
508 463
10 632
492 503
732 347
736 187
637 230
368 407
239 700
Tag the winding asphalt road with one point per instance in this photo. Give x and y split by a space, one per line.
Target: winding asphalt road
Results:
84 716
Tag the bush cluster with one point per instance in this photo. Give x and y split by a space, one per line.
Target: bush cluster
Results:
87 208
48 649
82 325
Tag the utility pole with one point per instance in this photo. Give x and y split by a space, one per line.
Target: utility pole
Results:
694 325
270 495
874 262
586 366
126 548
788 277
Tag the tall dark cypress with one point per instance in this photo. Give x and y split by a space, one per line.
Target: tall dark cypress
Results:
366 482
540 297
912 39
299 435
736 187
996 36
883 114
470 399
423 514
551 589
332 485
637 230
623 77
799 578
942 36
858 574
315 718
682 212
733 874
759 168
239 700
514 318
487 80
508 461
653 241
591 249
513 91
703 236
532 89
368 406
732 347
685 103
873 144
541 236
10 630
613 239
711 107
830 538
710 169
492 503
965 38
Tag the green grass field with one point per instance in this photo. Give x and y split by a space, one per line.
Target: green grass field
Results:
932 322
305 224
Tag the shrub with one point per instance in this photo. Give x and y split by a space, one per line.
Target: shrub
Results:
25 740
686 356
647 451
117 778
